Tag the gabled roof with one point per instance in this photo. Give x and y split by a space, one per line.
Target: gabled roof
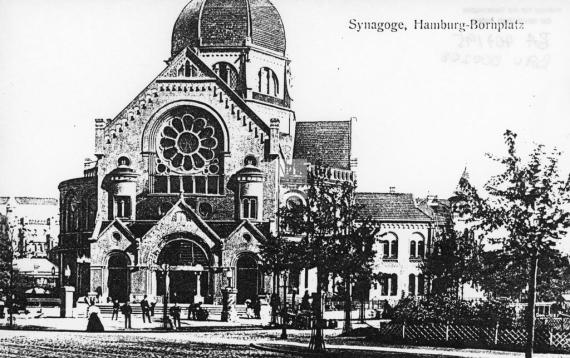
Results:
393 207
325 143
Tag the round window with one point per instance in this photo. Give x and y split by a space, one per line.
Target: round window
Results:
187 144
205 210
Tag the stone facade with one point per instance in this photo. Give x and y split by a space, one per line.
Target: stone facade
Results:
188 178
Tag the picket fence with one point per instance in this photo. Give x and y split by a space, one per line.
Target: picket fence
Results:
547 340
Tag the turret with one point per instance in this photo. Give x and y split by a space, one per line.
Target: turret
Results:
121 186
249 193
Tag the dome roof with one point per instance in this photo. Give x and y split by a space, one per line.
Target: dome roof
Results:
228 23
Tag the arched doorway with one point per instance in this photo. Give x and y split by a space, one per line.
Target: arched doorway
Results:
118 280
248 278
182 256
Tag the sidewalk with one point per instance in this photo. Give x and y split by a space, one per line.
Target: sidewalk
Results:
332 349
137 325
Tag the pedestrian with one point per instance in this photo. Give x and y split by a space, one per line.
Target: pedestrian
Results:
274 303
152 306
305 304
192 309
248 308
145 307
94 322
175 313
127 310
257 308
116 307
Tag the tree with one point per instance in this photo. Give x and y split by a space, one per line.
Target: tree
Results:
279 255
527 207
454 261
505 274
333 240
6 259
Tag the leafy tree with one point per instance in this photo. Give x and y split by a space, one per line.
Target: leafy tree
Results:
527 207
354 253
6 256
280 255
454 261
6 259
505 274
331 240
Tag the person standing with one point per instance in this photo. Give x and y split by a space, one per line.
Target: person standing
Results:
145 309
152 306
116 307
175 312
94 322
127 310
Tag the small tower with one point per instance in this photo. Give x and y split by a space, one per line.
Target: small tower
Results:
249 193
121 186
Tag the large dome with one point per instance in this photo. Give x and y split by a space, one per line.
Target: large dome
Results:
229 23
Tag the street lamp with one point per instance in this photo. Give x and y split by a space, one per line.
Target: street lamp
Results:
165 271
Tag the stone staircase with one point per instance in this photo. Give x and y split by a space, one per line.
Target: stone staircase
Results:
215 310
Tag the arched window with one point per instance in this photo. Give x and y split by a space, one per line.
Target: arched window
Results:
384 284
412 249
412 285
227 73
124 162
250 160
245 209
386 249
394 287
394 252
421 248
421 285
268 82
249 208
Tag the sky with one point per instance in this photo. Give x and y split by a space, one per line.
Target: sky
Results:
427 103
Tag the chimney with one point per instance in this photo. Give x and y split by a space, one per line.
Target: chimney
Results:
274 137
99 140
392 190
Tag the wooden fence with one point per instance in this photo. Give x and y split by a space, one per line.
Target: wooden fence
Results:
547 340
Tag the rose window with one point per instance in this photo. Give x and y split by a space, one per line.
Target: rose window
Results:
187 144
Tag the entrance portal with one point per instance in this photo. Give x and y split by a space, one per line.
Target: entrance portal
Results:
182 256
248 278
118 280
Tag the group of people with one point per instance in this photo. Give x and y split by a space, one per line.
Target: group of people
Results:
173 320
147 310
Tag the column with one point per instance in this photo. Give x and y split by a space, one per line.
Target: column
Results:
198 297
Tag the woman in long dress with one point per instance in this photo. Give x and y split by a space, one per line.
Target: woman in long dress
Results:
94 324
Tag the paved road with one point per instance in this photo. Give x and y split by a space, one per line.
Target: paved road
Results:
45 344
51 344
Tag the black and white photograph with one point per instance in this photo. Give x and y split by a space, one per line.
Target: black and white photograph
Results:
284 178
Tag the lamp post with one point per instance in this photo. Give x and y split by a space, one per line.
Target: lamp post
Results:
165 271
228 298
284 310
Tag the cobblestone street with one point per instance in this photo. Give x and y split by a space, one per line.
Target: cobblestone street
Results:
47 344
